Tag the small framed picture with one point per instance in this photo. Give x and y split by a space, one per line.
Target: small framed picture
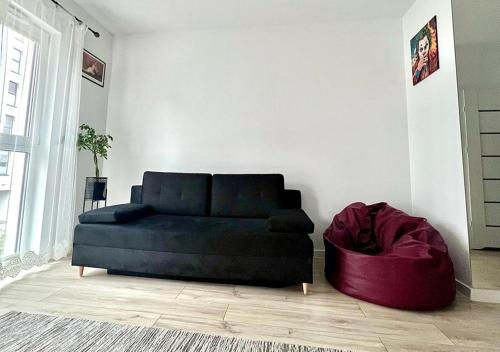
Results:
425 52
93 68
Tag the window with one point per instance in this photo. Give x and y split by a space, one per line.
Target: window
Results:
4 162
16 60
12 93
12 176
18 71
8 124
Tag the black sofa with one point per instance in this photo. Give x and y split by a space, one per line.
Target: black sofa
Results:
230 228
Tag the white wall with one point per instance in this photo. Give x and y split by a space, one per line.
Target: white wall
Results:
324 104
437 177
478 64
94 99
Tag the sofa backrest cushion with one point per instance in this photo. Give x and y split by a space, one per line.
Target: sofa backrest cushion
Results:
177 193
250 196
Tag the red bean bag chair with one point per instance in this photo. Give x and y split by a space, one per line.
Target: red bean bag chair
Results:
382 255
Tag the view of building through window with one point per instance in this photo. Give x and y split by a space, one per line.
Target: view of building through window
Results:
17 55
14 118
8 124
12 94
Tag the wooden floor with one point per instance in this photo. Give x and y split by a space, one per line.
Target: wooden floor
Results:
323 318
485 268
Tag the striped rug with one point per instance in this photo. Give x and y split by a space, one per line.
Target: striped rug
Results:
37 332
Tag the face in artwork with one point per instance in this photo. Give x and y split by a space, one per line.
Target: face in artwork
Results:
423 49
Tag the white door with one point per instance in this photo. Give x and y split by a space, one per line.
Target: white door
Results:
480 118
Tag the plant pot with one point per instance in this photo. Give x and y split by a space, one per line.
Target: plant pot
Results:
96 190
99 191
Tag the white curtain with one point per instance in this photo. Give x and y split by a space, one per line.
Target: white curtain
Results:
46 215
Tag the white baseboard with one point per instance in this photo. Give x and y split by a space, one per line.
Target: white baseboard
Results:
485 295
479 294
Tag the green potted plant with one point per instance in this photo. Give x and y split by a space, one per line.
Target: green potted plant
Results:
98 145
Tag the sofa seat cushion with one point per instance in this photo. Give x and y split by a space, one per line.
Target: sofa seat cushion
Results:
197 235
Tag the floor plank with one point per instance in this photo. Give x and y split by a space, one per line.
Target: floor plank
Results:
27 292
462 310
87 312
422 346
132 300
477 335
347 309
485 265
317 321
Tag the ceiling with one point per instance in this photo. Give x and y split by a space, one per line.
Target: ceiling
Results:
142 16
476 21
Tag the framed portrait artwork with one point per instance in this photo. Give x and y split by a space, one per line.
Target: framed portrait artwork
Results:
93 68
425 52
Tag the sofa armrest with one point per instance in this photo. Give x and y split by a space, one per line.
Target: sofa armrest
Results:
291 199
115 214
136 194
291 221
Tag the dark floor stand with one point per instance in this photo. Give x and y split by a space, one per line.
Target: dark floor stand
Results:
96 190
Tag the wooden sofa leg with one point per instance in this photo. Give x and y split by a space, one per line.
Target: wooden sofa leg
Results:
305 287
80 271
